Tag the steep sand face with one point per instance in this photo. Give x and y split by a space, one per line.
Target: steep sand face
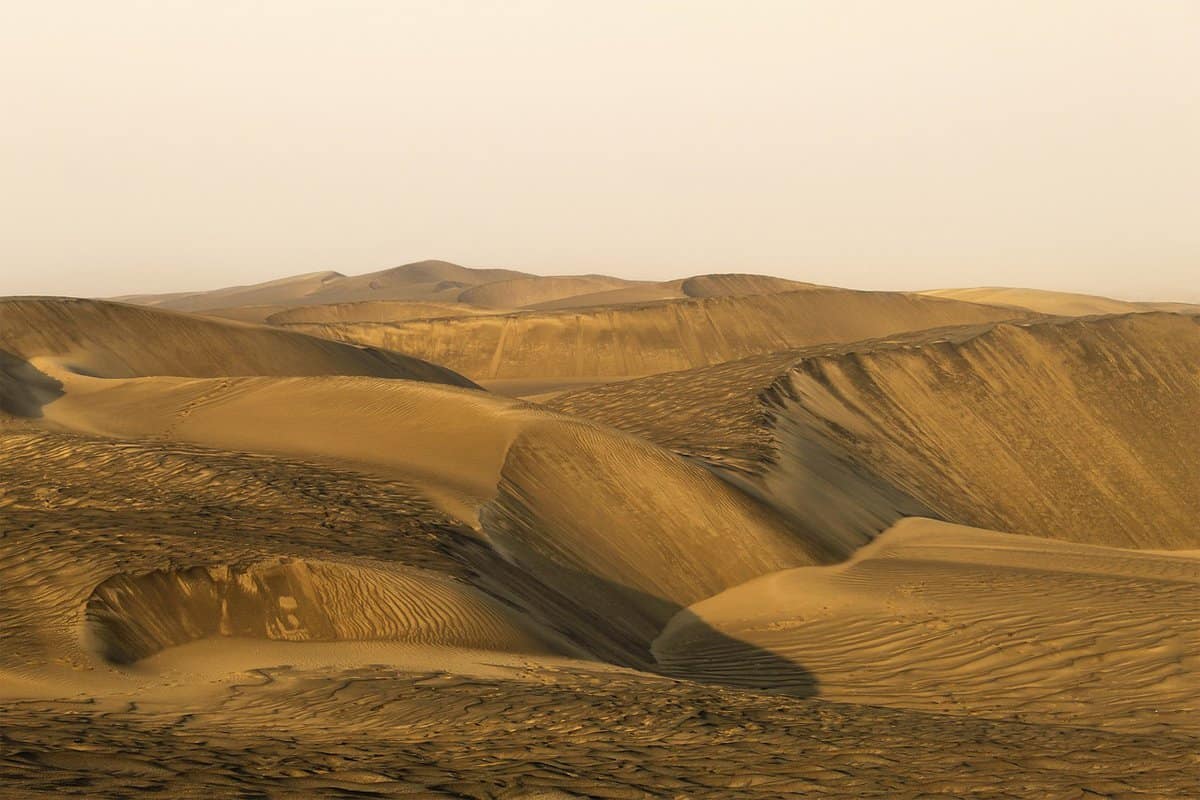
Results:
1077 430
97 338
643 340
1065 304
953 620
1082 430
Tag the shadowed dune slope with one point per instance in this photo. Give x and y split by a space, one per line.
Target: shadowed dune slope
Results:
1067 304
115 340
643 340
1074 429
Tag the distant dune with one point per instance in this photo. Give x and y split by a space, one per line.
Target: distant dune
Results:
731 285
371 311
423 280
115 340
997 426
522 292
1066 304
658 337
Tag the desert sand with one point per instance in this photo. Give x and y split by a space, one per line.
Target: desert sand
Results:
475 533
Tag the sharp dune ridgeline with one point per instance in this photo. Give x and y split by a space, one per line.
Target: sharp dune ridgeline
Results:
732 536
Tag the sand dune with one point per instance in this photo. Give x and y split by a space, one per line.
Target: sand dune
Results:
994 426
528 291
955 620
723 285
423 280
561 498
643 340
131 617
1065 304
113 340
239 560
371 311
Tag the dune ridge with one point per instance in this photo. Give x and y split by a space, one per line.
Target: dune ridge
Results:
421 280
115 340
238 559
638 340
850 439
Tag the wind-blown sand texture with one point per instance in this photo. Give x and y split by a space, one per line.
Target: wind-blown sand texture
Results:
240 561
634 340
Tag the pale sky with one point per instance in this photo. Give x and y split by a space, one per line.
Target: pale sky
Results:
167 145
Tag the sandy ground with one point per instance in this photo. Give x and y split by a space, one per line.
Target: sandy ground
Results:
237 561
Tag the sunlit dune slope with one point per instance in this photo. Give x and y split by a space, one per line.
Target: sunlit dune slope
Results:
1080 430
956 620
115 340
133 616
660 337
590 512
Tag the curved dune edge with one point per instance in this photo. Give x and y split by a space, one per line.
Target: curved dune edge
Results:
1066 428
948 619
612 522
130 617
114 340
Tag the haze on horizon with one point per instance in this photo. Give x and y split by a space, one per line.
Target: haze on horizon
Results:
169 146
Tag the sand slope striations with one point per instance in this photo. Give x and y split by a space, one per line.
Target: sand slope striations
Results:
1071 429
659 337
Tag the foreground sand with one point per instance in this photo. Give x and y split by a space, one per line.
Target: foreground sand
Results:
250 563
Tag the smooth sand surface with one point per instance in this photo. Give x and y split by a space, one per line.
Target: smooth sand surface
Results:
1057 303
240 561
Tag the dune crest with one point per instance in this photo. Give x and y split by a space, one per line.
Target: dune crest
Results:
114 340
993 426
659 337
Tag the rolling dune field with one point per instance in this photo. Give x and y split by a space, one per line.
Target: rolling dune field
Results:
441 532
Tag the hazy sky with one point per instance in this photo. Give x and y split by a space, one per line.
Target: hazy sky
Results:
156 146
